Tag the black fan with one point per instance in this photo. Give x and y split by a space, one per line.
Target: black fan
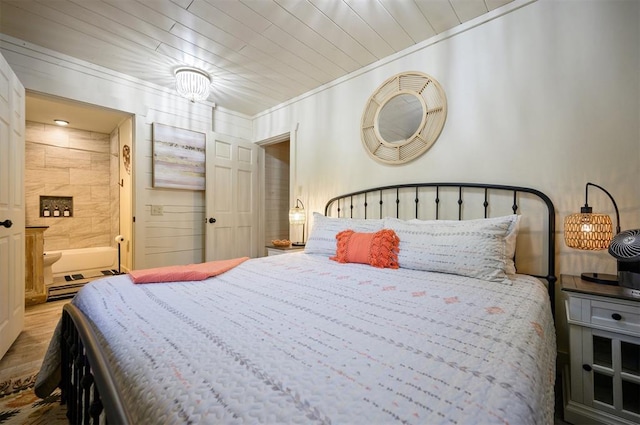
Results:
625 247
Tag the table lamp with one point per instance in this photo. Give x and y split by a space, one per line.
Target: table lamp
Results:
587 230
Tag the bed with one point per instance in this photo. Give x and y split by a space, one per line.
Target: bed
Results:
439 325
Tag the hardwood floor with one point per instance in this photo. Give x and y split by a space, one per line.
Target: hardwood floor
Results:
26 354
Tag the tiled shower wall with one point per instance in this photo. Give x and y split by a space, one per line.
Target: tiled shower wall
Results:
68 162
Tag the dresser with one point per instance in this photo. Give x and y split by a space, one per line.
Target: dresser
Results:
604 344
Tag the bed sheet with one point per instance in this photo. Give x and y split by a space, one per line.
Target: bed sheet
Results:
298 338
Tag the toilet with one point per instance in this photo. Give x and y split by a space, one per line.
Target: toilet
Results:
50 257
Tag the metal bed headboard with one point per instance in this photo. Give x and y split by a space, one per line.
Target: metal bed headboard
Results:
345 205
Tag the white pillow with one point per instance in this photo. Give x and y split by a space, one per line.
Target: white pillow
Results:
322 239
482 248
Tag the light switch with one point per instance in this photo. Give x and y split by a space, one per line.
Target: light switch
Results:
157 210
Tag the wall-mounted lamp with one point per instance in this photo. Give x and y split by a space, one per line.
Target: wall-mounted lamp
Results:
62 123
298 216
192 83
593 232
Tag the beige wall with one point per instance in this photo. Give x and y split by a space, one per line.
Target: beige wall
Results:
68 162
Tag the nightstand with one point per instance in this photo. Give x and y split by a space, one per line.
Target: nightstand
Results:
604 344
277 250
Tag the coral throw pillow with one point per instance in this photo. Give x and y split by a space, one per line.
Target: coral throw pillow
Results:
379 249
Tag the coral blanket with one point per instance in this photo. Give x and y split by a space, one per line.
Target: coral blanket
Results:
183 273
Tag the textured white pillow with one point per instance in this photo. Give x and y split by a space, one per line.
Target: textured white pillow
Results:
480 248
322 239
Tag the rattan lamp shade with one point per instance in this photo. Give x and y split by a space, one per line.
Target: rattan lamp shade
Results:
587 231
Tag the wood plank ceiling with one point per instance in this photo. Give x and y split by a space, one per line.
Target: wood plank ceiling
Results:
259 53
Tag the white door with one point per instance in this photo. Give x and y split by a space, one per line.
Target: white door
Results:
231 198
12 259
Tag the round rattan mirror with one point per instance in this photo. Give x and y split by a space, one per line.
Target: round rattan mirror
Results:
403 118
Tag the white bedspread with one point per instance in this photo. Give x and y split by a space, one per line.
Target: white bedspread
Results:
301 339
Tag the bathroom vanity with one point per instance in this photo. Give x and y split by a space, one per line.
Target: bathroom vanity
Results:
34 289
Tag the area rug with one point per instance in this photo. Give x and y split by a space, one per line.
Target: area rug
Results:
20 406
15 385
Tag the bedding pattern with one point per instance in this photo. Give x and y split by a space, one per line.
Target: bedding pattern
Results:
299 338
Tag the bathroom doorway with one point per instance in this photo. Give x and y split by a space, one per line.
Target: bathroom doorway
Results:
78 183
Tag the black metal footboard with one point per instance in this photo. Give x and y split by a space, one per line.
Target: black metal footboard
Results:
87 386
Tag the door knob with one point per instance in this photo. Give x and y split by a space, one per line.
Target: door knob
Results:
212 220
7 223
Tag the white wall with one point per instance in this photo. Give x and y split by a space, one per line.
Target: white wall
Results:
177 236
546 96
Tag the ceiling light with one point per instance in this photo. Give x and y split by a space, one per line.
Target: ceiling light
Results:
61 122
192 83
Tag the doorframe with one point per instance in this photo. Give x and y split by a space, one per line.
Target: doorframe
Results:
129 115
291 136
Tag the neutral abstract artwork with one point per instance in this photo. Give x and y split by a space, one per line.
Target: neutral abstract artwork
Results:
178 158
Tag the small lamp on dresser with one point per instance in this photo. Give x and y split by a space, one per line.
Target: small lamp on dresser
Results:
298 216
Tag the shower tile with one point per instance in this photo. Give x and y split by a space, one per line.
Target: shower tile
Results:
60 226
90 241
92 209
80 192
32 190
46 135
77 176
100 163
56 157
101 225
76 163
34 155
89 142
55 243
100 193
81 228
42 176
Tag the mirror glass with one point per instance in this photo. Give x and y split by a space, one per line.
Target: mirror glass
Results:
400 118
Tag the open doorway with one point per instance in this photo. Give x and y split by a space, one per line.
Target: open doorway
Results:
75 189
276 190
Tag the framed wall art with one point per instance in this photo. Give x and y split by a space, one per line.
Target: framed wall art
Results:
178 158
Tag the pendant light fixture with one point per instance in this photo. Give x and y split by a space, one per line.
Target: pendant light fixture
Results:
192 83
